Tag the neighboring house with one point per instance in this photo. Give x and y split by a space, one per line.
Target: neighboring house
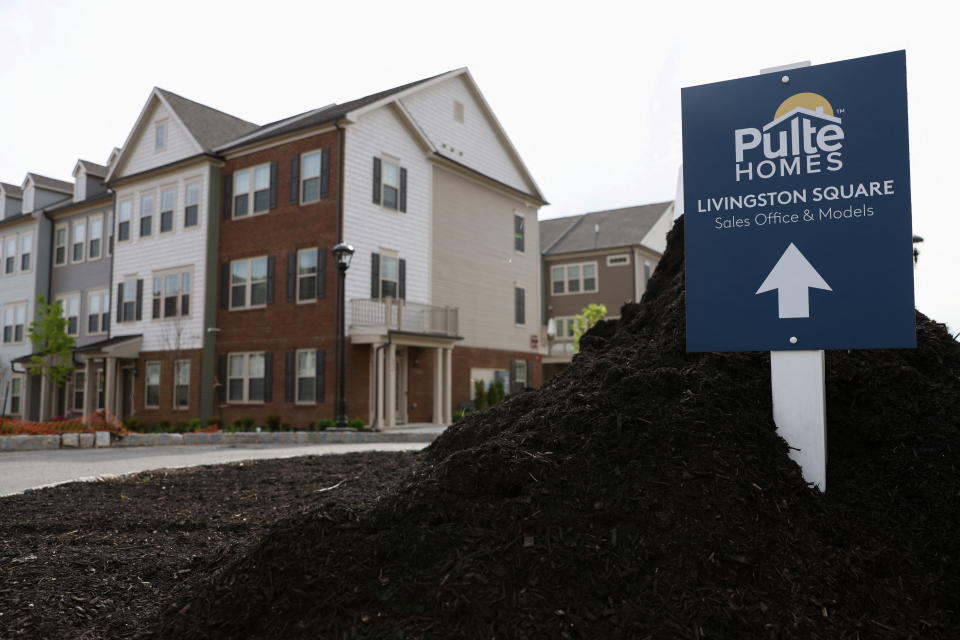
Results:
604 257
423 182
24 275
159 357
81 260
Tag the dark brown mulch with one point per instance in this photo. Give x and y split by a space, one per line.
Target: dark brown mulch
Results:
93 560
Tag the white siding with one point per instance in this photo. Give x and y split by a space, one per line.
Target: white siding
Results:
474 142
656 238
142 257
142 154
370 227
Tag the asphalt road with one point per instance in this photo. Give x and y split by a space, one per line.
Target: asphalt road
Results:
22 470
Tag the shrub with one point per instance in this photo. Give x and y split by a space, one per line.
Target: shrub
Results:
195 424
248 423
356 423
213 421
495 393
273 422
323 424
164 426
285 426
132 424
479 395
184 427
460 414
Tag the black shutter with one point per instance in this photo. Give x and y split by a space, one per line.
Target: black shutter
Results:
321 273
268 377
289 380
271 277
227 195
376 181
120 302
222 378
273 184
321 368
291 276
403 190
374 275
294 179
139 312
402 288
325 173
225 285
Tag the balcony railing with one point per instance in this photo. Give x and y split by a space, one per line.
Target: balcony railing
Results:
400 315
559 347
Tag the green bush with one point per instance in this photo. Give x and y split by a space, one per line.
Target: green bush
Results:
495 393
460 414
213 421
273 422
323 424
479 395
132 424
356 423
184 427
195 424
164 426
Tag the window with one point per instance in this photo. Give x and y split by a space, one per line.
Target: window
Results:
10 256
146 214
101 389
79 389
246 378
248 283
311 169
167 198
457 111
306 376
71 313
191 209
563 327
60 245
647 270
518 234
181 384
618 260
26 250
389 277
391 185
306 275
160 136
124 212
520 305
519 376
14 318
574 278
128 306
98 313
247 188
16 395
171 294
96 238
151 398
79 240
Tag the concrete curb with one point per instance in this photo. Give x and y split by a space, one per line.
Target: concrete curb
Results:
104 439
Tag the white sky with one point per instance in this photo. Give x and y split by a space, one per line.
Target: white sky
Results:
589 92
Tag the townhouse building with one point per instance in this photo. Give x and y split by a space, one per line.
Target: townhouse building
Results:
24 275
602 257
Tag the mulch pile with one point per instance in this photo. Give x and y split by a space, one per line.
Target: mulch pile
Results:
643 494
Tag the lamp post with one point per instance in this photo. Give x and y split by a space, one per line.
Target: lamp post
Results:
342 254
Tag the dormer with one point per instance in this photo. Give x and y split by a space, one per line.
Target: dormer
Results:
88 180
40 191
11 200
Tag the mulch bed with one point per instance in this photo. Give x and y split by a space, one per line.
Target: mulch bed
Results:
642 494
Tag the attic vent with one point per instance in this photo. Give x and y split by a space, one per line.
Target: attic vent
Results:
458 111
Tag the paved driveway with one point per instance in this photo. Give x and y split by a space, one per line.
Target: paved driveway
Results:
24 470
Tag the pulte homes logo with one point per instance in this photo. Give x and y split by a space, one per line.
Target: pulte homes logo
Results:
803 138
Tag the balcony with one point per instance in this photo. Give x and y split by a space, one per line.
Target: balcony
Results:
391 314
559 349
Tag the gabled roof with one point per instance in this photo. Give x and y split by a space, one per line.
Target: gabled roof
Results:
49 184
68 203
92 168
600 229
11 190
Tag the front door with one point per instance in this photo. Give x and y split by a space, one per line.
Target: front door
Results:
401 386
126 392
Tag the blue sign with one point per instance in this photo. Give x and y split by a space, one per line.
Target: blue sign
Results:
797 209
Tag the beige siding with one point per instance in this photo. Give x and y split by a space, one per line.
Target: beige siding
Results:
143 155
475 265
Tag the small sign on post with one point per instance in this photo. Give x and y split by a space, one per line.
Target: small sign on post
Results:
798 233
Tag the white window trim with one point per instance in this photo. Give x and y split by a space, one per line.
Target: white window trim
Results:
73 392
316 275
393 255
620 263
32 253
62 226
246 377
15 256
176 366
385 160
251 192
297 378
22 378
564 266
123 299
146 383
73 240
163 283
248 285
559 323
173 210
129 219
154 218
90 238
3 313
63 300
304 178
104 295
189 182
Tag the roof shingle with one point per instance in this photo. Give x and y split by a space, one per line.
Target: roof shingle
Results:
600 229
208 126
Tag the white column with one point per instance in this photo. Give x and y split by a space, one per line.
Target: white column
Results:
110 391
87 400
438 385
390 385
44 397
448 385
380 384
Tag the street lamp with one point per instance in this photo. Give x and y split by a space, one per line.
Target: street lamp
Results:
342 254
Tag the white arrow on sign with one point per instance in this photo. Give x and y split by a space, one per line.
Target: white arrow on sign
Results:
793 276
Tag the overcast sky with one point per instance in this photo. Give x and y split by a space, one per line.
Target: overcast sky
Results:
589 92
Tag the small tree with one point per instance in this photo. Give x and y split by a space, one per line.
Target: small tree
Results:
479 395
585 320
495 394
52 347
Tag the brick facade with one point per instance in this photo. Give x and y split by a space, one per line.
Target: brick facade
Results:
165 409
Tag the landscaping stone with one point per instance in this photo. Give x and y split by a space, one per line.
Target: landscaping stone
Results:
70 440
87 440
102 439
